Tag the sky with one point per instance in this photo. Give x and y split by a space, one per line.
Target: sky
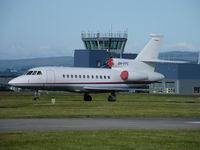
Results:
48 28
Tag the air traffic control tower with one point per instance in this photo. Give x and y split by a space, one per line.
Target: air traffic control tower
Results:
99 47
112 42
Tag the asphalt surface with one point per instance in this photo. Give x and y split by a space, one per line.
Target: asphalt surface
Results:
72 124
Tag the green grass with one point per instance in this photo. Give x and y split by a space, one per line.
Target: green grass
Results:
103 140
21 105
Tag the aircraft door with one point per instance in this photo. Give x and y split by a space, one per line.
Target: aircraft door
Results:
50 76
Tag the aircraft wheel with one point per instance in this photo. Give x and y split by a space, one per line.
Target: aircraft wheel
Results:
87 97
36 99
112 98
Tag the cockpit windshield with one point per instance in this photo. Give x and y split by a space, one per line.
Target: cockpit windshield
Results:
34 73
29 73
39 73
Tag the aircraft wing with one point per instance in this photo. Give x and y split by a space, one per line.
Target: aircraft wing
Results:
108 89
105 89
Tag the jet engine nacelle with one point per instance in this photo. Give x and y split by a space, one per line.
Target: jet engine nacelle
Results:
133 76
140 76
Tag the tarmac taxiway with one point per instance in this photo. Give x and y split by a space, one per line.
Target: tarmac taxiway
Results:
73 124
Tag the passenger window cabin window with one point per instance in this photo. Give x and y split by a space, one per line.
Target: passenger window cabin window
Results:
83 76
39 73
92 77
75 76
71 76
79 76
29 73
88 76
67 76
63 76
108 77
34 73
96 76
104 77
100 77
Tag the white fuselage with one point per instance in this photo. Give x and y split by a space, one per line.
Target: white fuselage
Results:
75 79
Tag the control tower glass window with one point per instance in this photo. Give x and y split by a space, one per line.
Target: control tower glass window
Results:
119 46
106 44
114 42
115 45
101 44
87 44
111 44
94 45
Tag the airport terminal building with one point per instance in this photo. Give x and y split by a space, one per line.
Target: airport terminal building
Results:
179 78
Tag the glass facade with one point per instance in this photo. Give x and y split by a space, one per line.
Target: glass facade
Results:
170 84
104 44
196 89
113 42
87 45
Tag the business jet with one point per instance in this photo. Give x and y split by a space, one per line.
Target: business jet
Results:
122 75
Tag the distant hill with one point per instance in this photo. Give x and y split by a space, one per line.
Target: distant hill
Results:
25 64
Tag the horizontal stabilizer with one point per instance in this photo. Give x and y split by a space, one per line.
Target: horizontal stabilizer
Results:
164 61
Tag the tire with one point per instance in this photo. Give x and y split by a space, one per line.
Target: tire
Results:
36 99
111 98
87 98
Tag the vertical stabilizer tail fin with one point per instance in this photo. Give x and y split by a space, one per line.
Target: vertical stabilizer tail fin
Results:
151 50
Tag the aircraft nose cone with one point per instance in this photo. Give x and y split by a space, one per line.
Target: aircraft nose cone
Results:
18 82
12 82
15 81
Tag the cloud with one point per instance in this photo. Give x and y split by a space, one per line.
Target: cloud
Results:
13 51
18 51
181 46
16 46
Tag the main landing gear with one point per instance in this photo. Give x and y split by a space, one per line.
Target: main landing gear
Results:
87 97
37 94
112 97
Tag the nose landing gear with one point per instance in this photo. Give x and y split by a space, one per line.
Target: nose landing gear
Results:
37 94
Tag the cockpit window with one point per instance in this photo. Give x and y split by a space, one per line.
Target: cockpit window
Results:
39 73
29 72
34 73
